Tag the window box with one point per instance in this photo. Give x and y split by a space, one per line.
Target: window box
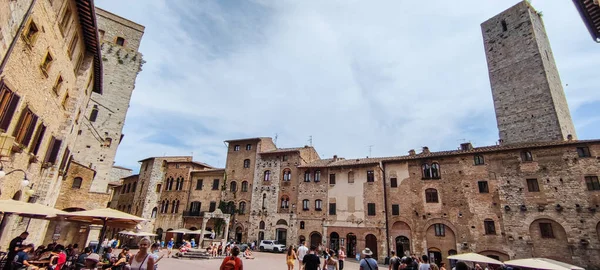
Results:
17 148
33 158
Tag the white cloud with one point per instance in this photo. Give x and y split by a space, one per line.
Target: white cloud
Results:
393 74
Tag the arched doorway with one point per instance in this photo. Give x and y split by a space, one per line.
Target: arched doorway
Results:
351 245
281 236
440 241
435 255
261 236
315 239
402 246
238 234
159 234
334 241
371 243
301 239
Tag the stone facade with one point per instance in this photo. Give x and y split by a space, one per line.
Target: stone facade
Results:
528 96
104 115
51 71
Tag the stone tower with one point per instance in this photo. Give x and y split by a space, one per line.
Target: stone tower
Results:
528 96
102 127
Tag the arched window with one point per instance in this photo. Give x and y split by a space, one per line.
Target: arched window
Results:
301 224
287 175
154 210
230 208
285 202
435 170
166 207
267 175
318 205
233 186
77 183
128 187
350 177
426 171
479 160
120 41
173 206
134 187
162 207
261 225
305 205
526 156
245 186
246 163
264 201
431 195
317 176
242 208
94 114
177 207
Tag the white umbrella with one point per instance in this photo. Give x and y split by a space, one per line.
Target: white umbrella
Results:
126 232
474 257
182 230
144 234
542 263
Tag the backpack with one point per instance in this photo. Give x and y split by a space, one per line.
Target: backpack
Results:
229 265
395 262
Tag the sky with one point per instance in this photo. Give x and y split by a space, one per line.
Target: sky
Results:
355 78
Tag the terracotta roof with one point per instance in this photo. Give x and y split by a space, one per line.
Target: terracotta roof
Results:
202 164
122 168
590 13
131 176
248 139
165 157
285 150
87 19
484 149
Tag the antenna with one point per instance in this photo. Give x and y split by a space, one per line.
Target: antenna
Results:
276 135
370 149
310 140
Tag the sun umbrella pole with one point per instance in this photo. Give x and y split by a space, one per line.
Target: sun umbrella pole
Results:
102 233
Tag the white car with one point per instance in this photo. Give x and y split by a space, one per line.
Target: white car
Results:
271 245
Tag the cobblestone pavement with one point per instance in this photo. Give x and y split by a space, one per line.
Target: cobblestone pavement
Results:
263 261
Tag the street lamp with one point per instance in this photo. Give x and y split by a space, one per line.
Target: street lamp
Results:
24 183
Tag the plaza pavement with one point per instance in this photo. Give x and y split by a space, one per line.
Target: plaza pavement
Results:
262 261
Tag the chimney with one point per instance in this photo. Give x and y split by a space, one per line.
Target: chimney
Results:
425 150
570 137
412 152
335 158
466 146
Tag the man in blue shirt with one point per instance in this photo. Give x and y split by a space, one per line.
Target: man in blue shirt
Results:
170 247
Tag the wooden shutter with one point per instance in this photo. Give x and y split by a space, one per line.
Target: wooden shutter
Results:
37 139
8 105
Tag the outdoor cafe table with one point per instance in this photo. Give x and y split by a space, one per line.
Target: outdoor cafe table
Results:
40 263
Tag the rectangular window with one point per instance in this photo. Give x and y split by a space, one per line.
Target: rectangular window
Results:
532 185
394 182
490 228
30 35
332 209
317 176
158 187
236 148
215 185
483 187
45 66
318 206
37 139
332 178
440 229
199 183
285 157
25 127
73 46
65 160
592 183
52 151
78 65
371 209
583 152
248 147
307 176
65 102
8 106
66 19
305 205
546 230
395 209
370 176
212 207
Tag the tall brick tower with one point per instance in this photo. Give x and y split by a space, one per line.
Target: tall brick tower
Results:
101 130
528 96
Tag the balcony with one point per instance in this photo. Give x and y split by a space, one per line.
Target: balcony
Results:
193 213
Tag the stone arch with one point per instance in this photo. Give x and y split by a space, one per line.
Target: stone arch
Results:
154 211
315 238
440 220
261 225
282 222
334 241
440 239
17 196
549 237
371 243
159 233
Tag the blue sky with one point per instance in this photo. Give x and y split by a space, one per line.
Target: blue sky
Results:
396 75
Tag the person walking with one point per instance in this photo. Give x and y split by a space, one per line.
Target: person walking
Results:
394 261
368 263
330 263
302 251
142 260
425 264
170 247
232 262
341 257
311 260
291 258
155 251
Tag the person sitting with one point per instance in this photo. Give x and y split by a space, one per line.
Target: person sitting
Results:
123 259
193 243
248 254
21 258
59 258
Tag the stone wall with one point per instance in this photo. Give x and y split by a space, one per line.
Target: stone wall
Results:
528 96
11 16
100 137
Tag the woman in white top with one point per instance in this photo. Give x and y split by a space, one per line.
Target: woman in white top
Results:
142 260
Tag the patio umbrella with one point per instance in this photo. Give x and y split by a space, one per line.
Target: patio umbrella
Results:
125 232
198 232
105 216
35 210
182 230
474 257
142 234
542 263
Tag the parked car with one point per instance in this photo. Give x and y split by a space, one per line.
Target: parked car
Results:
271 245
